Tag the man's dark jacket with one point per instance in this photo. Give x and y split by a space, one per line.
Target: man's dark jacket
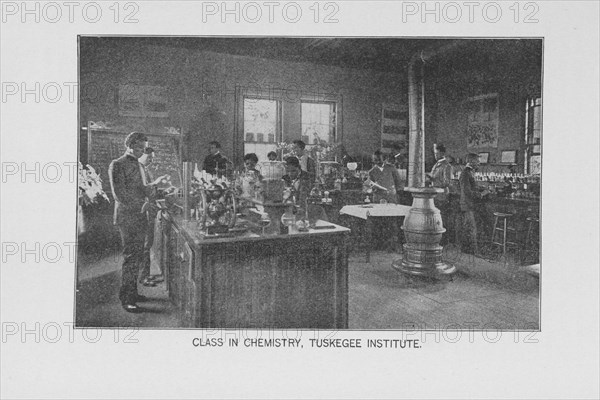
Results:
469 192
128 189
212 163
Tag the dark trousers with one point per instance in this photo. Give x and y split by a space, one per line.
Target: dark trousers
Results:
148 242
468 232
133 233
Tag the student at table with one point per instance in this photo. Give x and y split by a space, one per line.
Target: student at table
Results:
296 179
307 164
215 163
469 195
151 214
441 177
396 157
384 179
250 177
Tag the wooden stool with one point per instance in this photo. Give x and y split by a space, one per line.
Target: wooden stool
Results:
502 218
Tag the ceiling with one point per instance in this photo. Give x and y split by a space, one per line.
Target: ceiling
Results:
381 54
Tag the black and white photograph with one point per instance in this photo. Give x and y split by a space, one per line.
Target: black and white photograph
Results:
312 183
341 199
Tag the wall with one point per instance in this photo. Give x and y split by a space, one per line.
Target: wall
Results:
511 68
202 84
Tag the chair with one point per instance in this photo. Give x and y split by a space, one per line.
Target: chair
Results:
505 228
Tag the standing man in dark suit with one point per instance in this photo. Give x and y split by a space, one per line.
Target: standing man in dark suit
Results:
469 194
441 177
396 157
385 179
215 163
307 164
130 192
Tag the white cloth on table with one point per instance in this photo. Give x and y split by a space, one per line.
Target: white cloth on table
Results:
376 210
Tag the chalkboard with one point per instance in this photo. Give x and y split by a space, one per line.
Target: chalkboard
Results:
105 145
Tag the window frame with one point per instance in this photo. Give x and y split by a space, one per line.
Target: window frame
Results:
532 147
334 105
243 93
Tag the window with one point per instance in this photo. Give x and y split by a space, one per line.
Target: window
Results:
318 122
261 126
533 136
264 119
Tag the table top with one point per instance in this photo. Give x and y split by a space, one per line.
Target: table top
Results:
191 230
376 210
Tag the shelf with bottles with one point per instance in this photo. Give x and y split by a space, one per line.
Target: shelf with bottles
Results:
510 185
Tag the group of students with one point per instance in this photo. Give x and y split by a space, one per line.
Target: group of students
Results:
216 163
300 169
134 193
387 186
462 220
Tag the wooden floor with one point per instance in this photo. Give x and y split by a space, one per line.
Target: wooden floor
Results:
483 295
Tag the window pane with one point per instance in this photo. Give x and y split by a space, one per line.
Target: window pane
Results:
260 127
535 164
318 122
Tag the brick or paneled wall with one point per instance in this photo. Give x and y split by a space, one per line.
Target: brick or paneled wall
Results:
511 68
204 82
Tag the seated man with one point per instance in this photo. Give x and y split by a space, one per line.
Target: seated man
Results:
251 177
307 164
215 163
296 179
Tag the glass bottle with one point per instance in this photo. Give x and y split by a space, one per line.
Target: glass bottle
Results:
288 219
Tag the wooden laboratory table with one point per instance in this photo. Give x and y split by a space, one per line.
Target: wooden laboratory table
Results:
295 280
372 215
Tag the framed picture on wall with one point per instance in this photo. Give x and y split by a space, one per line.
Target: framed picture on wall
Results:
482 121
508 157
484 158
142 101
